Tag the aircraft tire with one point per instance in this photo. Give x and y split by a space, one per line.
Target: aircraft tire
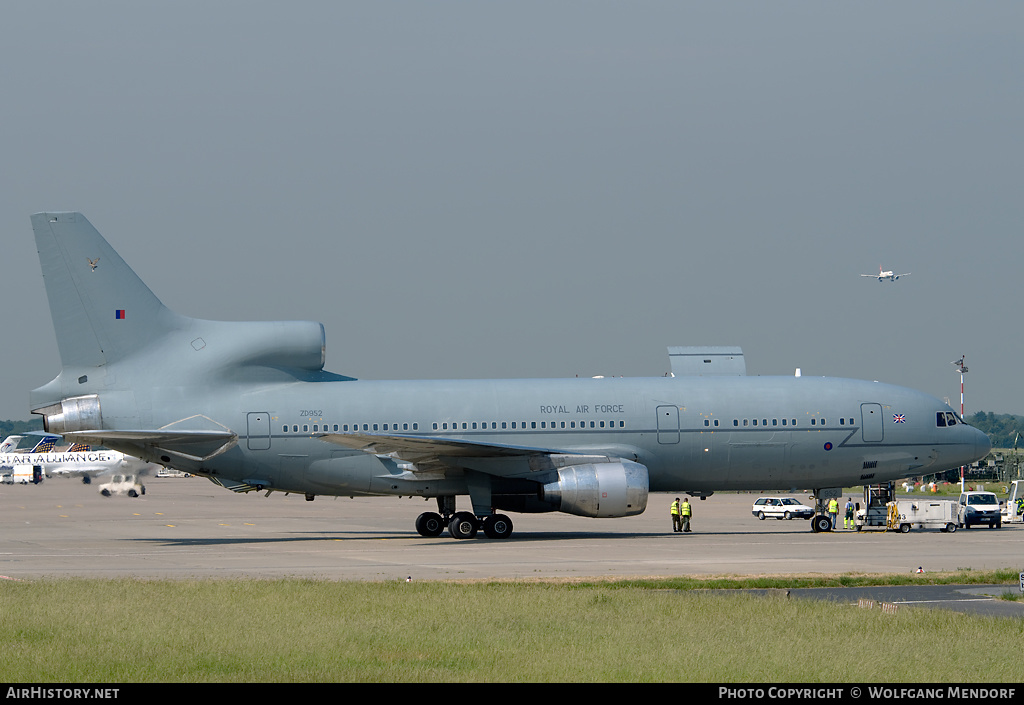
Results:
463 525
497 526
429 524
821 523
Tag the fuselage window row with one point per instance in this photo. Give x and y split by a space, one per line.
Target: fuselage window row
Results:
454 426
762 422
523 425
815 421
942 419
328 428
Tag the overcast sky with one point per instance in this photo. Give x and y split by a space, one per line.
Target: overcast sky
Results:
537 189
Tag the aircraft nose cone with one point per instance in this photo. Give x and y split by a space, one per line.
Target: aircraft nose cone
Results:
982 445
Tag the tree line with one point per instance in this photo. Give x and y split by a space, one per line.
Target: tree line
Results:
1002 429
12 428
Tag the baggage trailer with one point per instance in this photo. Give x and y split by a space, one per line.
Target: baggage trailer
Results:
905 514
875 513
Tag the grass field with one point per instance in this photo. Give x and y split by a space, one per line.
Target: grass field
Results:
132 631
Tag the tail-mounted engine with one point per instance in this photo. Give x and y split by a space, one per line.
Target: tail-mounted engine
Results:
74 414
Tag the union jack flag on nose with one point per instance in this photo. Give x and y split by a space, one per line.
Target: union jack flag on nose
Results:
899 418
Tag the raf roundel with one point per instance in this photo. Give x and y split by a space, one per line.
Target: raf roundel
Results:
828 446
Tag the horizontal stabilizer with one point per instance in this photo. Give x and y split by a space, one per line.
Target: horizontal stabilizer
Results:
192 445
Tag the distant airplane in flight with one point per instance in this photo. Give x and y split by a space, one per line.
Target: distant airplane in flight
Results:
886 275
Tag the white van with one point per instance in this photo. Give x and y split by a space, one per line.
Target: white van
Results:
979 508
122 485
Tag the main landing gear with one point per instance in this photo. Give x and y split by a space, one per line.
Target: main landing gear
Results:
462 525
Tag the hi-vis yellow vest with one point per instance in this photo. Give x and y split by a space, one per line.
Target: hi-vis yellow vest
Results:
686 509
675 508
833 506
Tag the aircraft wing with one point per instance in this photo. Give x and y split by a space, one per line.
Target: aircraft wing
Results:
431 454
194 445
418 446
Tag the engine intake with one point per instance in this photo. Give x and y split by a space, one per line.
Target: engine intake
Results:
600 489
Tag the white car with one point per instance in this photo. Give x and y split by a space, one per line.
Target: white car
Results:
781 508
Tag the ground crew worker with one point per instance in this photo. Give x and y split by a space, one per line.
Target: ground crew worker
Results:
833 511
848 520
677 523
685 512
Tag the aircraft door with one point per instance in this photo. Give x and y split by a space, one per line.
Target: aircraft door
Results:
258 430
668 424
871 422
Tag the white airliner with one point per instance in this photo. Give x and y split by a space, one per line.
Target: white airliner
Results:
51 456
890 275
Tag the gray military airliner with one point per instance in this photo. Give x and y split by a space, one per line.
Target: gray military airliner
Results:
249 406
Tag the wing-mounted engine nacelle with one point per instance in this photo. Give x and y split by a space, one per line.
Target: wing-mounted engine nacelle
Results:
616 489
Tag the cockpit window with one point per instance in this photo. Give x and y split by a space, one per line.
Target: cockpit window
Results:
946 418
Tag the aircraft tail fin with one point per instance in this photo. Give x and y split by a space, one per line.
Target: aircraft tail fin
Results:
116 338
101 310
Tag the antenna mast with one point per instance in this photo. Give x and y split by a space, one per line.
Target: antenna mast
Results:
963 370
